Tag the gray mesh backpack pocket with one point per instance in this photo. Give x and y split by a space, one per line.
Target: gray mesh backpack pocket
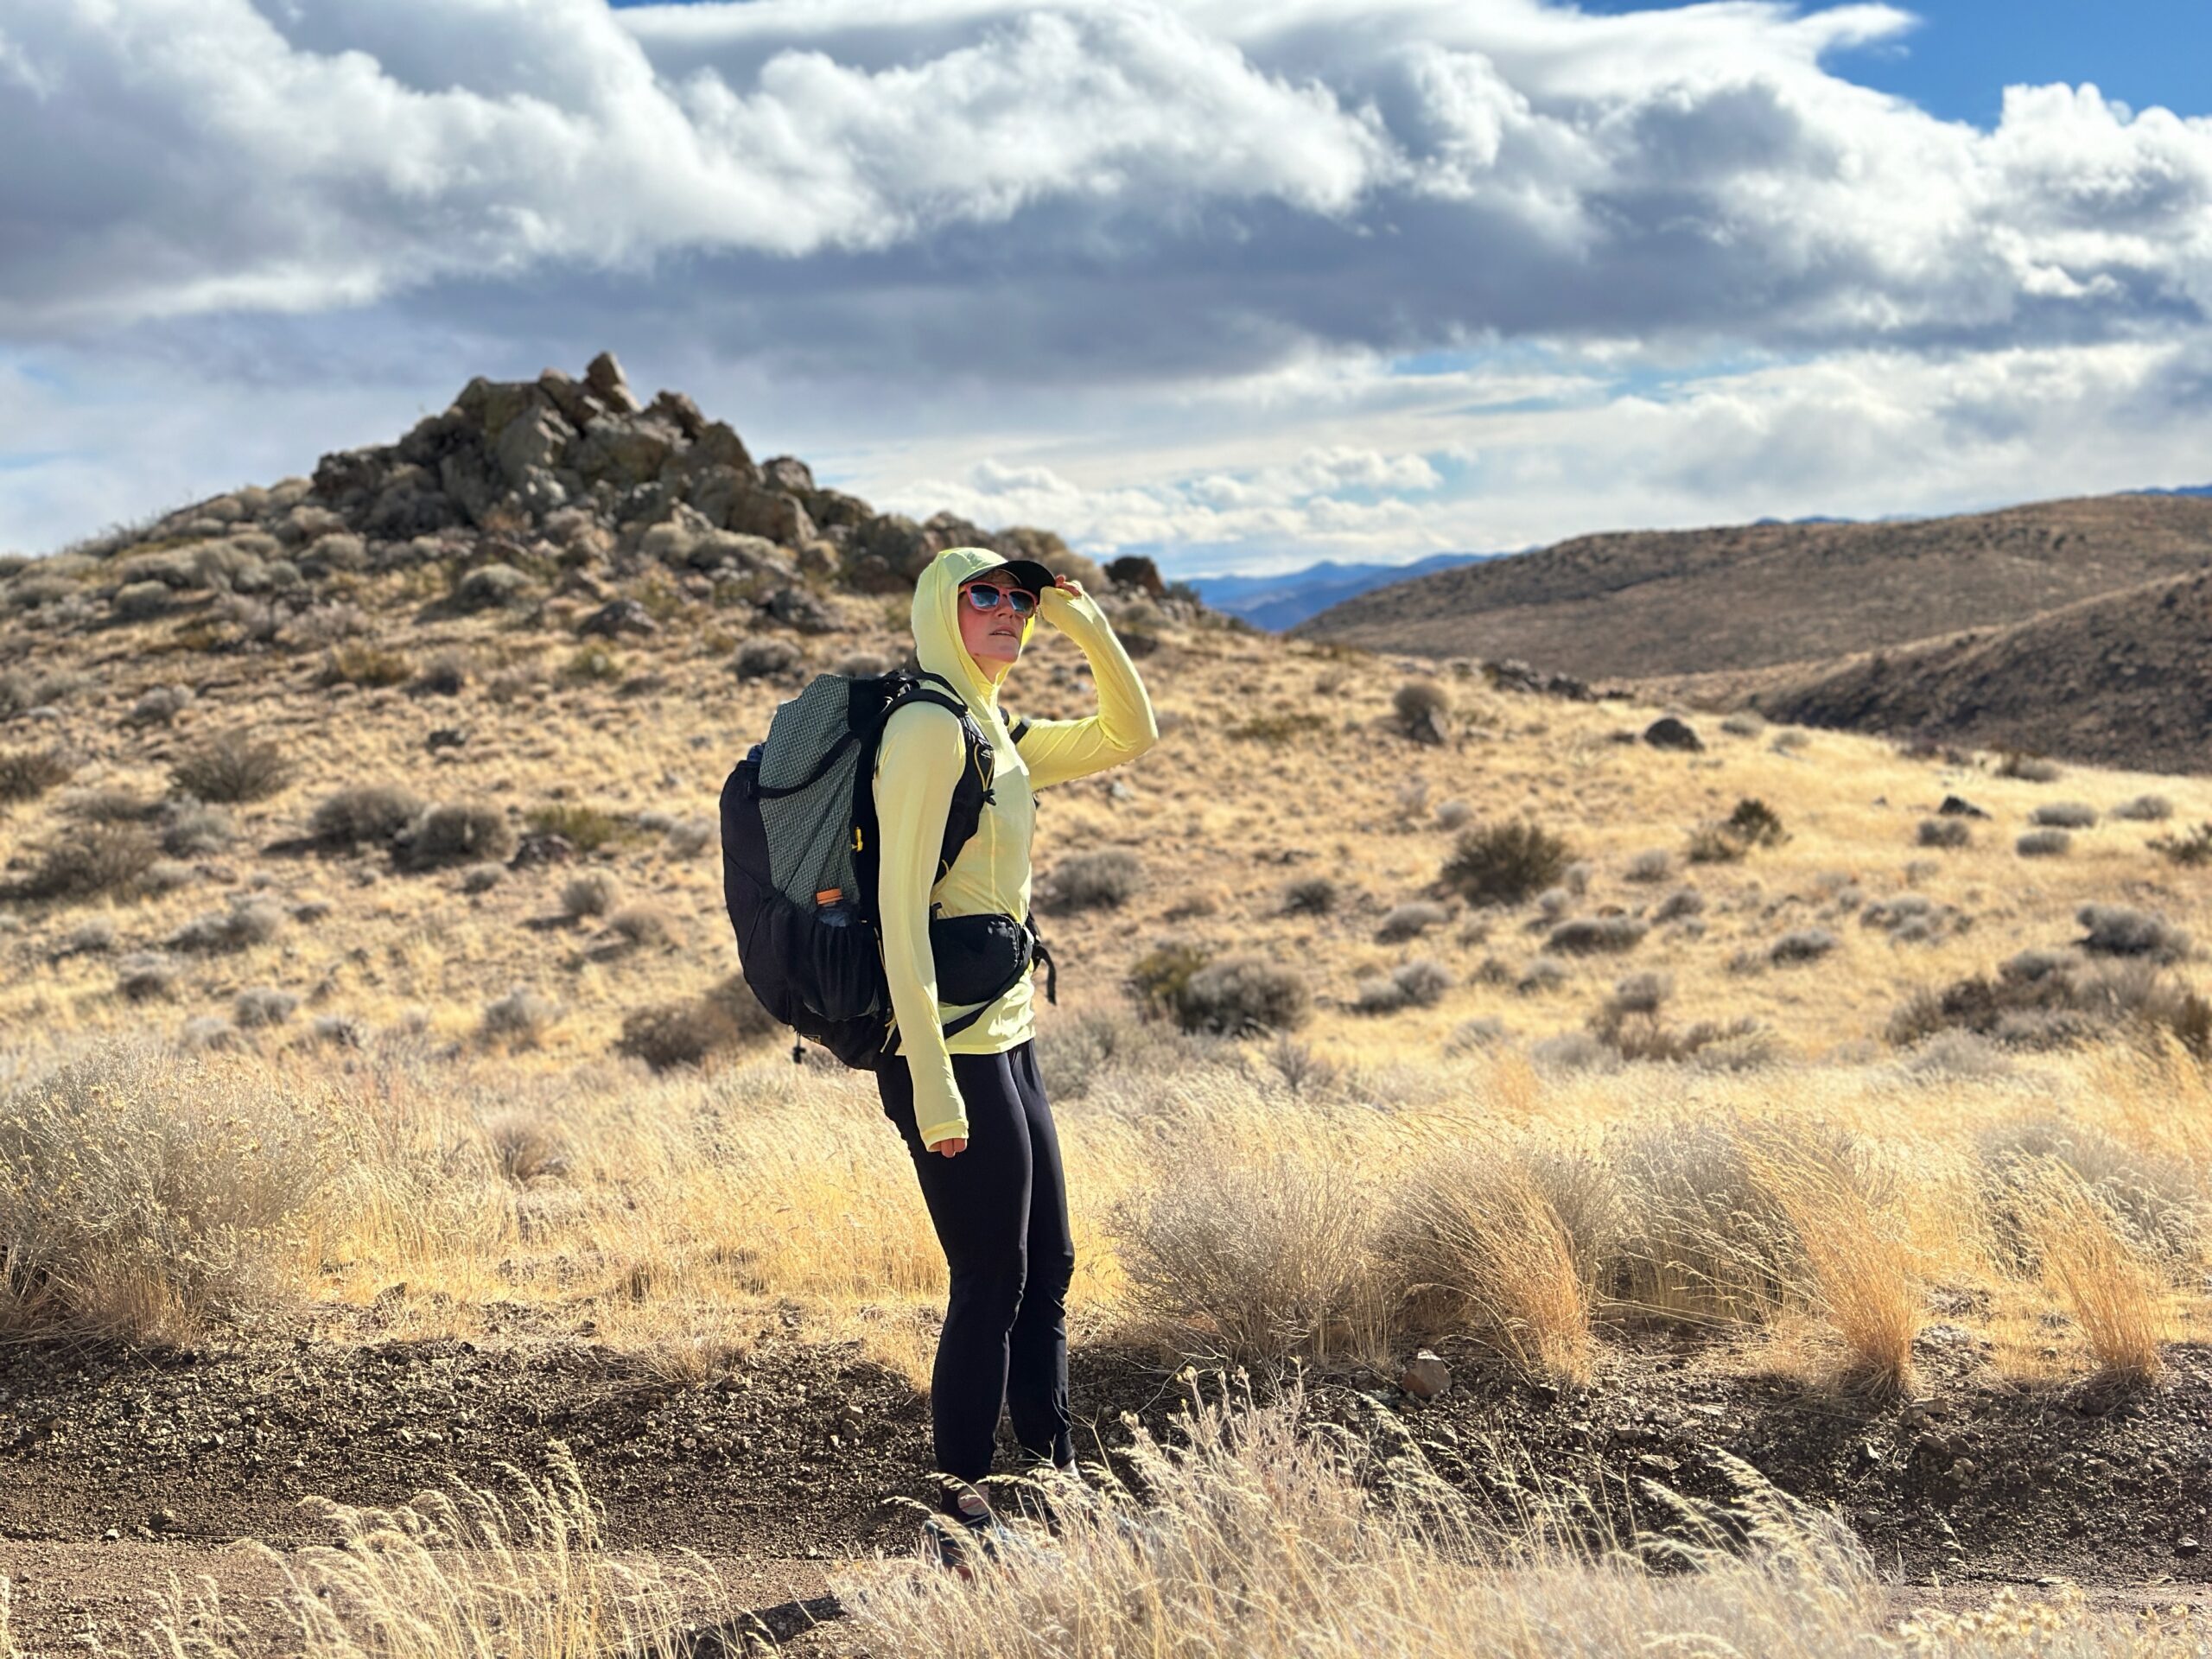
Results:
799 856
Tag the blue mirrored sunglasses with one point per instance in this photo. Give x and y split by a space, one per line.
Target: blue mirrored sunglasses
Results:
984 596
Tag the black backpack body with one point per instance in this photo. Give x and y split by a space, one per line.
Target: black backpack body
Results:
798 821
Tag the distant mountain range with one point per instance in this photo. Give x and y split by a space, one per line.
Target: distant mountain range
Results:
1279 601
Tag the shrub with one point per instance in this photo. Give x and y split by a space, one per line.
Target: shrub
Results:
865 665
2038 1000
2065 815
194 830
362 663
1278 729
1682 901
337 1031
587 665
232 767
1502 863
688 1033
2144 808
488 587
2020 763
764 659
1654 864
1420 983
464 833
2042 843
109 805
1411 920
1483 1031
1422 707
446 675
692 837
1711 844
1641 993
2191 851
160 705
94 938
1159 977
146 1194
587 829
519 1017
247 923
1454 815
1586 934
264 1004
1243 996
2123 930
206 1032
167 875
643 926
1542 974
26 774
595 892
135 602
1103 880
1944 832
366 813
1802 945
1315 895
1745 722
482 878
146 977
102 858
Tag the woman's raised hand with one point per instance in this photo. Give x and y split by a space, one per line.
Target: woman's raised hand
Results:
1065 591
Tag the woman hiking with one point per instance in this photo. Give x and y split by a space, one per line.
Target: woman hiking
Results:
971 1107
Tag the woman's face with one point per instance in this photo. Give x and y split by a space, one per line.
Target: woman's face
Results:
993 637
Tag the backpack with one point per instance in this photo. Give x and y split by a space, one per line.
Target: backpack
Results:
800 861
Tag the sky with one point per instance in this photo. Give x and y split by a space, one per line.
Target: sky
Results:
1242 284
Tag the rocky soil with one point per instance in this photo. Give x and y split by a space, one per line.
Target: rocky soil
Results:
799 1455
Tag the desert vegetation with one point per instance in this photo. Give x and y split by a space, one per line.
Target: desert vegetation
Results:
369 978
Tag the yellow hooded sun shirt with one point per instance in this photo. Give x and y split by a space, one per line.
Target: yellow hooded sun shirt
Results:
916 764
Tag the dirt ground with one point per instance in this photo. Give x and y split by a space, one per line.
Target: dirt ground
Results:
118 1468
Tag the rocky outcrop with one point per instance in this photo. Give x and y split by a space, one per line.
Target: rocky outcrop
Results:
578 477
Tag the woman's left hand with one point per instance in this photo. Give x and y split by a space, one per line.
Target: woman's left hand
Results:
1052 603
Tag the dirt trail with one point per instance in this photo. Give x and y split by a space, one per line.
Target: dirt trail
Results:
65 1594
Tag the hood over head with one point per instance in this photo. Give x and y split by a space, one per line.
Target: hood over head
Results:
937 630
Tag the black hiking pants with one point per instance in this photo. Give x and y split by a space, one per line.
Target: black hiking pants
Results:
1000 1210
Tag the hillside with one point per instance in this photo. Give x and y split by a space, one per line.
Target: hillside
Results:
1642 604
2118 679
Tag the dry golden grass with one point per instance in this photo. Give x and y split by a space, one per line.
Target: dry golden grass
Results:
1218 1207
1477 1241
2108 1284
1257 1541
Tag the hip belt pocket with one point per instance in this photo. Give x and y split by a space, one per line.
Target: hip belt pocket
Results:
979 958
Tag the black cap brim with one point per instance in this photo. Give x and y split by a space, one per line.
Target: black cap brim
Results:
1023 572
